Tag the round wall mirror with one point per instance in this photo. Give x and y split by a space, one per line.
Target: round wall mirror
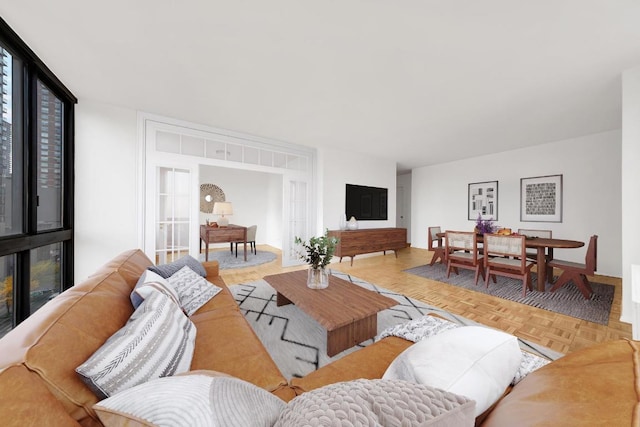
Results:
209 195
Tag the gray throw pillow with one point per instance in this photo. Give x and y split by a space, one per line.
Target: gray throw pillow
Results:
168 270
151 282
193 290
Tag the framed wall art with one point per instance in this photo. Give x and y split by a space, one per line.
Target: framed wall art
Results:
541 199
483 200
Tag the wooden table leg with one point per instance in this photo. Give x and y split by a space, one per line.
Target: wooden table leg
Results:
542 269
282 300
352 334
548 258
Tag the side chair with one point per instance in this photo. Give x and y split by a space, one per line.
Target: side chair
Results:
251 240
544 234
461 249
436 246
577 272
506 256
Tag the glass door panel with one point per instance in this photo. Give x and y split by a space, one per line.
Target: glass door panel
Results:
173 201
297 220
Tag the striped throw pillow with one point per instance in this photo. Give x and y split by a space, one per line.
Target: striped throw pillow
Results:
152 282
193 399
157 341
194 290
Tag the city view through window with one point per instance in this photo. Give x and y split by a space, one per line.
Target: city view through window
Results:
44 262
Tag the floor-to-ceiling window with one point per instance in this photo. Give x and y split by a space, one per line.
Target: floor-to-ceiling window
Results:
36 182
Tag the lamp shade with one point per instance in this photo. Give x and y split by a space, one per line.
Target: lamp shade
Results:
223 208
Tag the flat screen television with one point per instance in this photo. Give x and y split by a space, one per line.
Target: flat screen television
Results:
366 203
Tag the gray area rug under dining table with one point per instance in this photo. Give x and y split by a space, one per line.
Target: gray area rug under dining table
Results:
567 300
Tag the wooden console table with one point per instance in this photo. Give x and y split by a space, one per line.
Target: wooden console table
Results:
355 242
231 233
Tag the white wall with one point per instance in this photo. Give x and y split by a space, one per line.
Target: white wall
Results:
105 200
341 167
256 198
404 182
590 167
107 210
630 184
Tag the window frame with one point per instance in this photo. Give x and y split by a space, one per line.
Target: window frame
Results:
22 243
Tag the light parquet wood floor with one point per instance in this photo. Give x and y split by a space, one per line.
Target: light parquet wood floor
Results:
558 332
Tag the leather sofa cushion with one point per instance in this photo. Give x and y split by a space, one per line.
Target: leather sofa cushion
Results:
593 386
67 331
130 264
226 343
18 408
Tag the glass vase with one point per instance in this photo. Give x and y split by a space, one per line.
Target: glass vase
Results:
317 278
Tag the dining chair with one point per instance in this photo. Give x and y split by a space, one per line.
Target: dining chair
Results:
527 232
506 256
251 239
435 245
461 250
577 272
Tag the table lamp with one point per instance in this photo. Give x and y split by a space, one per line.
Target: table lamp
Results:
222 209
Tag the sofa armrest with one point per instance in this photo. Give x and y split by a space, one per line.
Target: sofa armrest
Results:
212 268
369 362
592 386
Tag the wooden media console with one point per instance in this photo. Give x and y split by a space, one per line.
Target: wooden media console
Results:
355 242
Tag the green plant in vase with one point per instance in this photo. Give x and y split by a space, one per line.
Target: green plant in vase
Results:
317 252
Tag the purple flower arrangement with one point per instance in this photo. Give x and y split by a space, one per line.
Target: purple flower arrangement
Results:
485 226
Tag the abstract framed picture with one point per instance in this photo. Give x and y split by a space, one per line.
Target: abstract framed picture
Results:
541 199
483 200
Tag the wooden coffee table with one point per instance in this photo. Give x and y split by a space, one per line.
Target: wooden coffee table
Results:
348 312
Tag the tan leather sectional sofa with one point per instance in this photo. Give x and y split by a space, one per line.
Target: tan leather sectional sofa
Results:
39 385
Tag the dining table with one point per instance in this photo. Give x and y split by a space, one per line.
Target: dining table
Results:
544 253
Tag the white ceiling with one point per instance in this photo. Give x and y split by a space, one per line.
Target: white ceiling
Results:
421 82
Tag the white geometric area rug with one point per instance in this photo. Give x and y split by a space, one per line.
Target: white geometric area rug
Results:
297 343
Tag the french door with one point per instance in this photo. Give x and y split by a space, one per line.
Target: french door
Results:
172 218
172 153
